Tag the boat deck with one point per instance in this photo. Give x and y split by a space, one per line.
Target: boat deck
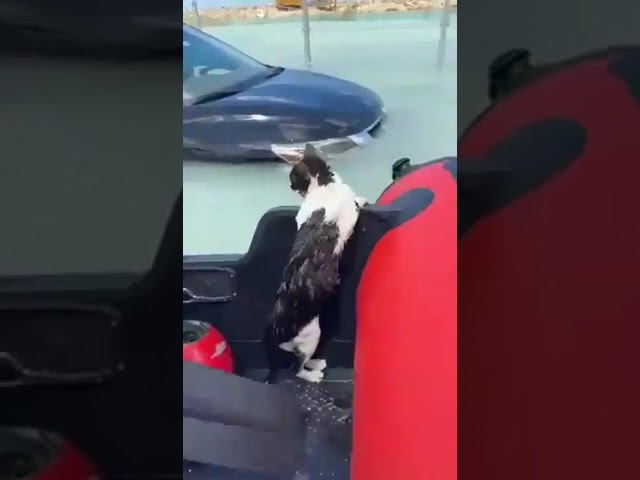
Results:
326 416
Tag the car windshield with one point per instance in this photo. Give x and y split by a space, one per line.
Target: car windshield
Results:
210 66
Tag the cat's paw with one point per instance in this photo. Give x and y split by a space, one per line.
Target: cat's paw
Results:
361 202
316 364
313 376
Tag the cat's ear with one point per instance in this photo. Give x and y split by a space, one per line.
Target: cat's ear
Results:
310 151
300 170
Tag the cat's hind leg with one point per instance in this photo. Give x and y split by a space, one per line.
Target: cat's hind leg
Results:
313 376
306 343
316 364
317 360
328 329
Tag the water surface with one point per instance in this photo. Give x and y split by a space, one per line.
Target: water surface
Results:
395 55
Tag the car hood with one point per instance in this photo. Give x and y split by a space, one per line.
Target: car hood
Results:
307 93
292 107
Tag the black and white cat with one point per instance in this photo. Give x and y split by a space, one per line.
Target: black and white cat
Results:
326 220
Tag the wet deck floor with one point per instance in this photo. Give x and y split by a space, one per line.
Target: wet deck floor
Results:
327 420
393 55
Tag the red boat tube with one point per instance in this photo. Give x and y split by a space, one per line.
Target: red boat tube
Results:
405 367
203 344
548 284
31 454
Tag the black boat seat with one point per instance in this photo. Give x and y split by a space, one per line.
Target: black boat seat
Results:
235 422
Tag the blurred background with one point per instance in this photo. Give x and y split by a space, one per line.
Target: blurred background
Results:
403 51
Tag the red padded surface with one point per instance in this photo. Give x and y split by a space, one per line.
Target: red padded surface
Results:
405 380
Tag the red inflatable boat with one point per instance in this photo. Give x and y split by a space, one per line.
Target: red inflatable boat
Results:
548 294
405 367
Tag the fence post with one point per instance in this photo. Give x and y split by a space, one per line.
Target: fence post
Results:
444 24
194 5
306 32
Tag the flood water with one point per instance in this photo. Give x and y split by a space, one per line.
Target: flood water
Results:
395 55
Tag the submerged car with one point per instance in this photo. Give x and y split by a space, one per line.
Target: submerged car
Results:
236 109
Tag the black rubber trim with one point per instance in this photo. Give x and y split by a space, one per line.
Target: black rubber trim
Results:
451 165
410 170
541 71
522 162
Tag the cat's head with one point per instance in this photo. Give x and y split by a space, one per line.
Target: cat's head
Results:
312 171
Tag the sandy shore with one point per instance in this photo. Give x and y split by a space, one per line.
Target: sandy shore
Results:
221 16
